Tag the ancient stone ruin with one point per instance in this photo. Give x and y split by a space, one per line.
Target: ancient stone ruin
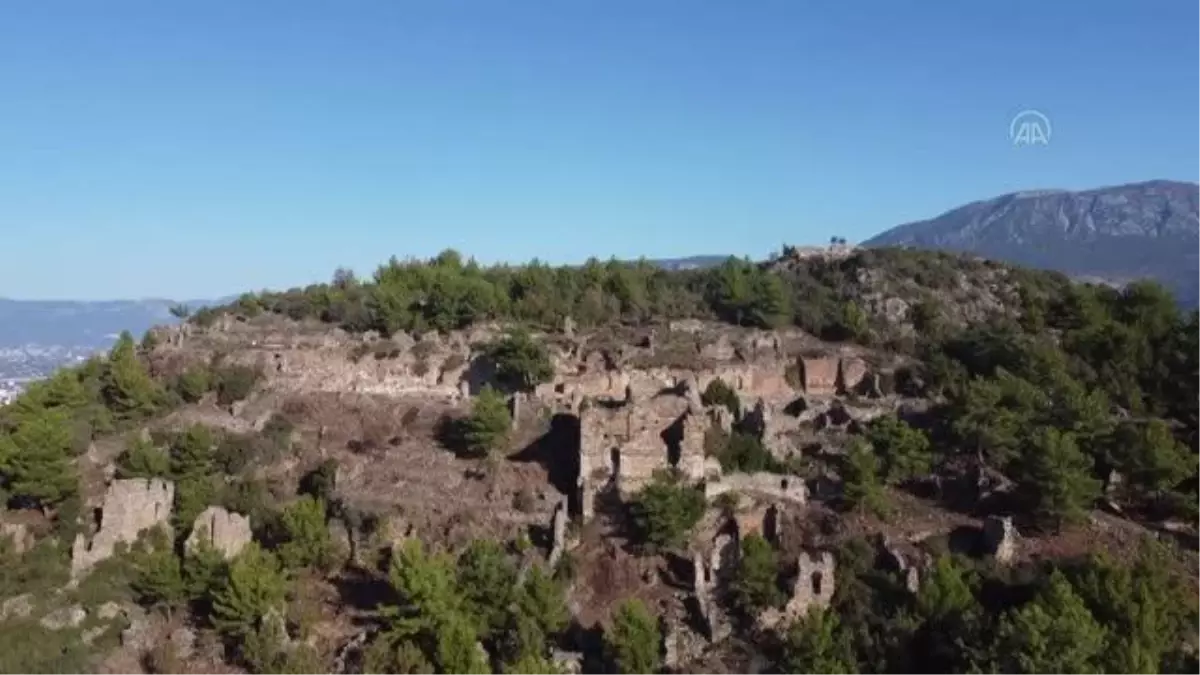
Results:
130 507
829 375
224 531
558 531
1000 538
622 443
704 579
770 486
812 587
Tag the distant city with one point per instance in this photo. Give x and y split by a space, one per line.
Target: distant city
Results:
23 364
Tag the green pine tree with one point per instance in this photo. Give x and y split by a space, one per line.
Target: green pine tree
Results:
1055 633
127 388
1059 485
36 460
255 586
486 429
633 640
756 586
306 541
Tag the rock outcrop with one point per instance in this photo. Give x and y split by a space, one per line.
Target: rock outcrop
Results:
130 507
224 531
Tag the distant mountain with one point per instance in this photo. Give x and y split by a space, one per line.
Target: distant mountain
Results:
1114 234
690 263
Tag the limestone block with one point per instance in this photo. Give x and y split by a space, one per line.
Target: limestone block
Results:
226 532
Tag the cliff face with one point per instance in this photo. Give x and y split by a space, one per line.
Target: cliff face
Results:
1114 234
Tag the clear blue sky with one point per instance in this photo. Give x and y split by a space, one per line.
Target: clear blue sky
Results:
193 149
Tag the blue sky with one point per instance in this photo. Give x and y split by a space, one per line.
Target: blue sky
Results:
195 149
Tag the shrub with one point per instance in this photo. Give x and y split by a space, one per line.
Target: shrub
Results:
719 393
141 459
632 641
234 383
756 586
485 431
665 511
521 363
193 384
744 452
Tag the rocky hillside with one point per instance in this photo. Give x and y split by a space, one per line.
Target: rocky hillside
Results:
1115 234
618 468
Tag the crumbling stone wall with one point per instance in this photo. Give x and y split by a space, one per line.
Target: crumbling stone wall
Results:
812 586
1000 538
558 532
626 441
819 376
771 486
224 531
130 507
831 375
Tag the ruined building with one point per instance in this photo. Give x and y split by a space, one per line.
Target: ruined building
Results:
812 587
623 442
130 507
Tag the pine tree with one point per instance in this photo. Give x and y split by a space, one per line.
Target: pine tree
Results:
1149 455
36 460
192 453
756 586
521 363
485 430
905 450
533 664
1060 485
159 581
254 587
541 597
488 580
632 641
816 644
306 539
861 487
666 510
127 388
1055 633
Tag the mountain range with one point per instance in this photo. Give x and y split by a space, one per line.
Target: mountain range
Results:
1113 235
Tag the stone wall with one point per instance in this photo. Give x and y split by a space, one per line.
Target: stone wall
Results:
813 586
624 443
831 375
770 486
130 507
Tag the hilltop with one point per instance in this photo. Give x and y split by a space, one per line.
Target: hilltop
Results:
840 460
1114 234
